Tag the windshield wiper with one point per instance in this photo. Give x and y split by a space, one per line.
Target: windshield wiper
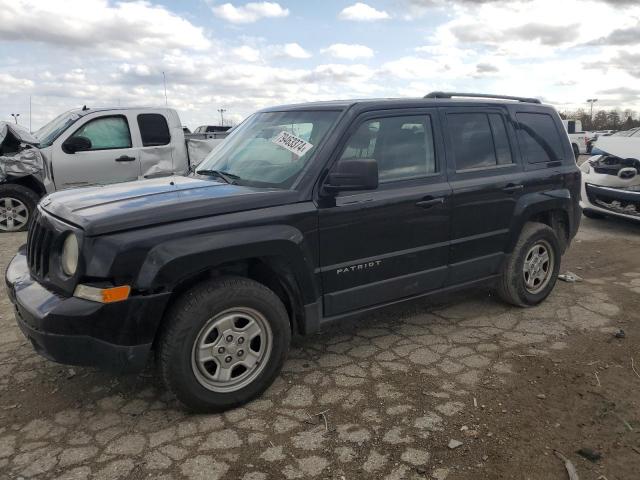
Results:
226 176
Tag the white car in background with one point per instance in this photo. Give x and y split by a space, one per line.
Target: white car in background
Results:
89 147
579 138
611 180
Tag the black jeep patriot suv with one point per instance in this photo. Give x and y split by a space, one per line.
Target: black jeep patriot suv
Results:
305 215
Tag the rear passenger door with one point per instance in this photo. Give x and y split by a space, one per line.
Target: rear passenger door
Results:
382 245
487 181
156 150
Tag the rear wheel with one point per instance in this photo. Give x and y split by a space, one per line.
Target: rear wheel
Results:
17 204
224 343
532 269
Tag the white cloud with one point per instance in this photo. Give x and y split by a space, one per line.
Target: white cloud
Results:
251 12
102 52
348 51
124 29
361 12
293 50
247 53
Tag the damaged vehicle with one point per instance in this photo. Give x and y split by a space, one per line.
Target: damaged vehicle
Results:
611 180
89 147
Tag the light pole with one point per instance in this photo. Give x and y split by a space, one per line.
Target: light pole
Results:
591 101
221 111
15 117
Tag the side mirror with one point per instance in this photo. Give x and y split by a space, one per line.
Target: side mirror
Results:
353 174
76 144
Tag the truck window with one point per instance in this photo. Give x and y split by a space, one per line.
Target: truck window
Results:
402 146
479 140
539 138
106 133
153 129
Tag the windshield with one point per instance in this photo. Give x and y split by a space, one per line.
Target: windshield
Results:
270 149
52 130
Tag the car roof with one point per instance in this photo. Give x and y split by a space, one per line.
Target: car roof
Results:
389 103
87 110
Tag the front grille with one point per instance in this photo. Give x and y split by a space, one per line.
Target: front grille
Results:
624 201
39 243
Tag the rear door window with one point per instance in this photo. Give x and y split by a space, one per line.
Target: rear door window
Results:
539 138
479 140
153 129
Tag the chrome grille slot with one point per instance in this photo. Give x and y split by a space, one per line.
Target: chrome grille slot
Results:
39 246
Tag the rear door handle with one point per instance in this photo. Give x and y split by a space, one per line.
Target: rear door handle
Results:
430 202
513 187
125 158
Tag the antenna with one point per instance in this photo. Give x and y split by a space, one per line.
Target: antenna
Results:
164 81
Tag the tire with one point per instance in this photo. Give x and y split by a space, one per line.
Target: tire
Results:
576 150
199 317
512 286
592 214
17 204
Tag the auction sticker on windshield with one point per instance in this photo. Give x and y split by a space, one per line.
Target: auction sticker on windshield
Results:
292 143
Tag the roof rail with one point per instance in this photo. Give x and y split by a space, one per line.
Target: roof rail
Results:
480 95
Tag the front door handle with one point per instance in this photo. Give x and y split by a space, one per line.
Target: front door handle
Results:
430 202
125 158
513 187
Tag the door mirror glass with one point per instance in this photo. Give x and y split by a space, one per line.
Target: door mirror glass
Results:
76 144
353 174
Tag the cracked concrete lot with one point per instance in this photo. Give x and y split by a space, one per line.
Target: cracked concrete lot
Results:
380 397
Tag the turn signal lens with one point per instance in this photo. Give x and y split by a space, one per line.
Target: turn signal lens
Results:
103 295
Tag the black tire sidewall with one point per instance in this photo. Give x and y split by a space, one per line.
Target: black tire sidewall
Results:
178 369
25 195
526 297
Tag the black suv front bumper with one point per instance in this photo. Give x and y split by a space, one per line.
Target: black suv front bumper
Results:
70 330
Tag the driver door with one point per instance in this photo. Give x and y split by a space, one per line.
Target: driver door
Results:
379 246
111 158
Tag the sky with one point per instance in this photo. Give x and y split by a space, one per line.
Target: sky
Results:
242 56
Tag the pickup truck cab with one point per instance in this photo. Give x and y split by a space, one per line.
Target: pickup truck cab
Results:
306 215
85 147
580 140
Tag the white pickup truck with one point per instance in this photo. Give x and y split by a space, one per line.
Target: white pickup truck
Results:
86 147
580 140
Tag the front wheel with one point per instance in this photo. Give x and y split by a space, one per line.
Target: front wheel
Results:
224 343
532 269
17 204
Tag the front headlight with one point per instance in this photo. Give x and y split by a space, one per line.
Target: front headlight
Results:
70 253
585 167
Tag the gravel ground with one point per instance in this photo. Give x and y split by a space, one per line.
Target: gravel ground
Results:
381 397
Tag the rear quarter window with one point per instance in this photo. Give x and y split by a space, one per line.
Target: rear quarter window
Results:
539 138
153 129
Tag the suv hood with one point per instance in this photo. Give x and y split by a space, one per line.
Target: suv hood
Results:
123 206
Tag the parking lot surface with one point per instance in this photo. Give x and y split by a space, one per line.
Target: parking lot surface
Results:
391 395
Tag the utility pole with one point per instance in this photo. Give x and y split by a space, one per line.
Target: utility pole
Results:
591 101
15 117
164 81
30 114
221 111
